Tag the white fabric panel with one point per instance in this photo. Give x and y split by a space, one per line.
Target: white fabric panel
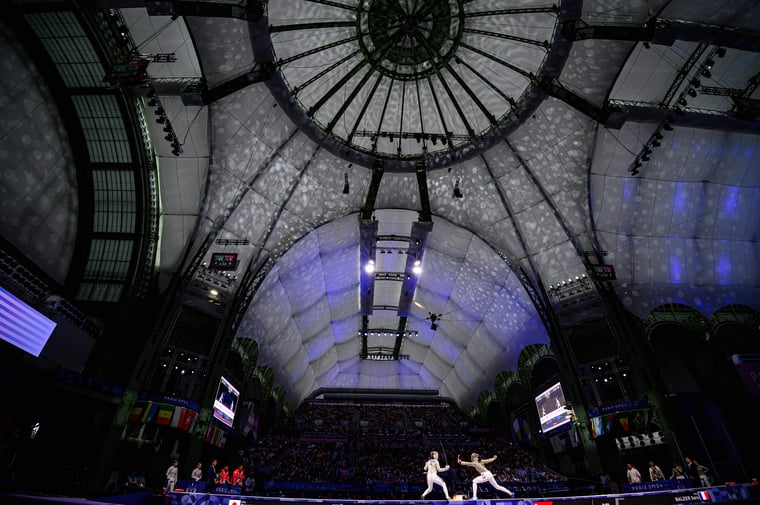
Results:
223 46
593 66
648 73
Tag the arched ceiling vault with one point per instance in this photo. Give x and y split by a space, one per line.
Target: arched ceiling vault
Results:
524 165
562 125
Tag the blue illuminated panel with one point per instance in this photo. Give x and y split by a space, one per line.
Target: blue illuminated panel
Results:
23 326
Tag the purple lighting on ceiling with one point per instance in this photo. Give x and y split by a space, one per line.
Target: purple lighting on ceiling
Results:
680 197
723 264
731 201
676 269
629 186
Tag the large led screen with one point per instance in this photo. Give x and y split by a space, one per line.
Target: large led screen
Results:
22 326
225 402
552 408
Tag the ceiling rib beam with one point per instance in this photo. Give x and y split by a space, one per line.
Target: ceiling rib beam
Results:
259 73
666 32
554 88
540 43
315 50
311 26
333 4
402 322
417 242
368 240
253 12
652 112
501 12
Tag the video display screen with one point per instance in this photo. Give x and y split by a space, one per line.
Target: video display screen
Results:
226 402
552 408
23 326
224 261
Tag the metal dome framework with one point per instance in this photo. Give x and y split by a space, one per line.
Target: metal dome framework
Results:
409 80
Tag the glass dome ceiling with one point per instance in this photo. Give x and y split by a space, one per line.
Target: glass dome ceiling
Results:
408 79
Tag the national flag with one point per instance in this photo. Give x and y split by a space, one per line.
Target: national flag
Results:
624 423
165 413
597 426
149 413
638 420
607 420
704 495
188 419
176 417
134 414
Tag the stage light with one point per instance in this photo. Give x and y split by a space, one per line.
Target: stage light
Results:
692 92
721 52
667 127
370 267
457 192
345 183
417 268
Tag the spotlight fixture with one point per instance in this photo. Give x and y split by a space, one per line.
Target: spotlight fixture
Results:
161 119
695 82
721 52
658 136
159 111
152 102
709 62
656 143
682 101
457 191
692 92
706 73
345 183
667 127
370 267
645 157
417 268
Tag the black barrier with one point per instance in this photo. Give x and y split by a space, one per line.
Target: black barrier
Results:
718 494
